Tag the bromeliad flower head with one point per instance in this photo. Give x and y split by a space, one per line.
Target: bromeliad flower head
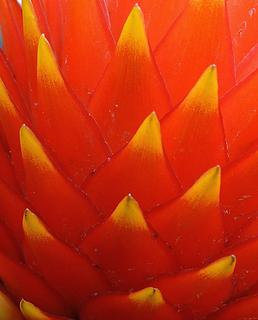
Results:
128 149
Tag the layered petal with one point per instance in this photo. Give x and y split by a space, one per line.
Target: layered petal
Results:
193 133
239 112
29 287
11 28
239 193
66 211
8 310
243 24
31 312
71 135
6 169
31 32
193 221
65 270
12 206
11 121
8 245
159 16
86 51
146 304
243 309
131 87
246 272
50 17
199 37
10 82
140 168
198 293
126 249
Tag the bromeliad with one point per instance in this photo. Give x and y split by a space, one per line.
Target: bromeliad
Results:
128 152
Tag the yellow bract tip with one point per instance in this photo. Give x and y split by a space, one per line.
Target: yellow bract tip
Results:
32 149
33 227
222 268
8 310
5 100
31 312
147 139
206 189
204 95
133 38
47 68
129 215
30 24
150 296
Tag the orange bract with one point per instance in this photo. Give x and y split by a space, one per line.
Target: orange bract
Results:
128 160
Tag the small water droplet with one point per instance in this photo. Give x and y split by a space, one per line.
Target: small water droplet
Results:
252 12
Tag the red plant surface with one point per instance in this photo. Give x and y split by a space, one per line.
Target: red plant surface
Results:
129 160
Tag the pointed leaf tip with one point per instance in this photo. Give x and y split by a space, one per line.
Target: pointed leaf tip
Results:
222 268
206 189
5 101
148 136
204 94
31 148
149 296
129 215
32 225
8 310
30 23
133 36
29 311
47 67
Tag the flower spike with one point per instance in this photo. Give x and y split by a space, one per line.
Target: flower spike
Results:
102 101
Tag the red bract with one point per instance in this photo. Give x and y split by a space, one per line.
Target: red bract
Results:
128 160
